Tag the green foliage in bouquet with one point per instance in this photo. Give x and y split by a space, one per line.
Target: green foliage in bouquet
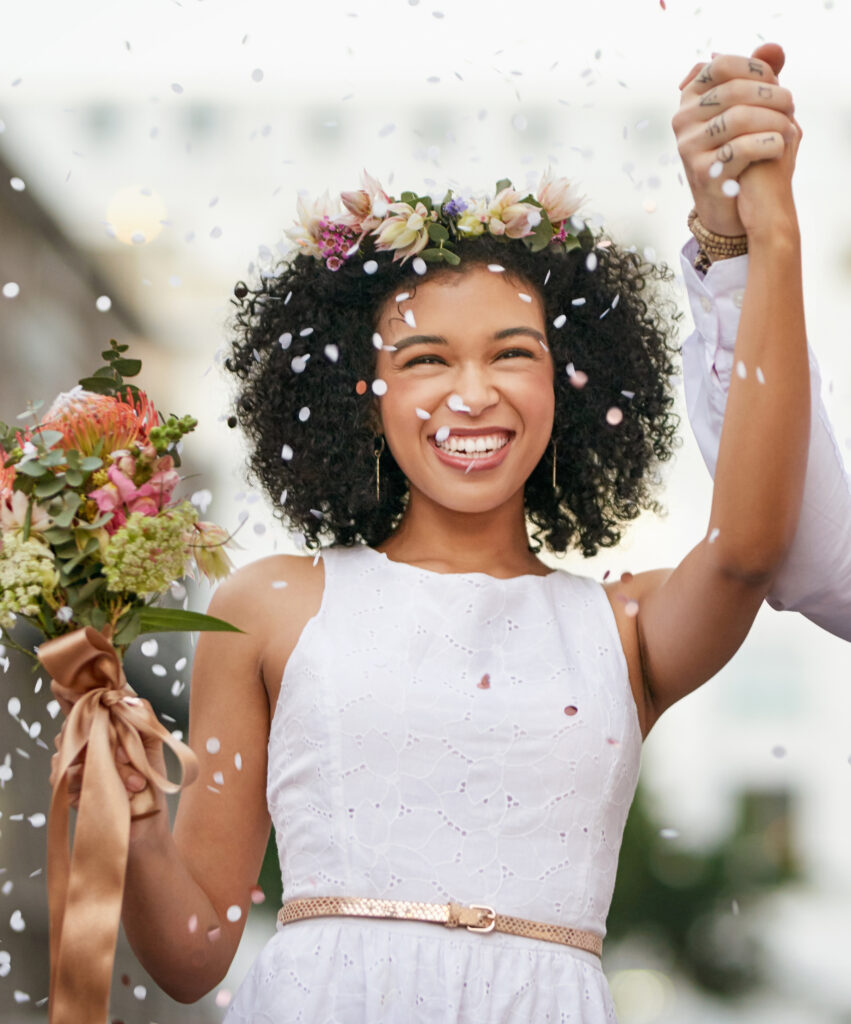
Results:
90 533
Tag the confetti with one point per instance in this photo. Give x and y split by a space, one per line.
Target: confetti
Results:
332 353
614 416
360 387
140 992
304 414
11 290
571 710
257 75
495 268
234 912
778 751
180 664
286 453
279 584
419 266
218 778
730 187
713 534
149 648
423 415
159 670
485 682
223 997
524 297
441 434
591 261
631 609
201 499
192 923
257 895
237 760
176 87
577 302
456 403
402 296
734 907
409 318
16 921
377 341
716 170
579 378
668 833
305 332
18 184
370 267
213 745
379 387
285 340
760 376
560 321
741 370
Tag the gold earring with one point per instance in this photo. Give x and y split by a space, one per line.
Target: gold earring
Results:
554 465
378 450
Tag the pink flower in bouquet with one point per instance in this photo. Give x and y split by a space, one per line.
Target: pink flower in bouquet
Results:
122 497
85 418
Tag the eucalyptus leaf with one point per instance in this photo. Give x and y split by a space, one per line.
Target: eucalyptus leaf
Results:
104 371
97 523
128 367
90 463
56 536
99 385
433 255
49 437
32 467
451 258
503 183
53 458
88 590
127 629
411 198
47 488
74 477
437 232
66 516
169 620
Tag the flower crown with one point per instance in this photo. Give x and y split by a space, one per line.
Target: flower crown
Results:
418 226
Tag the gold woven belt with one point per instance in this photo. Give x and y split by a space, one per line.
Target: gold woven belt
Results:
475 918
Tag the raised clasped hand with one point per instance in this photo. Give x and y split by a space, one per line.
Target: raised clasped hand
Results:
736 123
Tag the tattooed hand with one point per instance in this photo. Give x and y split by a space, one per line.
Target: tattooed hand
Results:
733 114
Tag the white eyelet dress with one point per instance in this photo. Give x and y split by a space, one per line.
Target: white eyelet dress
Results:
446 737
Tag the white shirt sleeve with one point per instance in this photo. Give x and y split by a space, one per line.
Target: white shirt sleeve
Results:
816 577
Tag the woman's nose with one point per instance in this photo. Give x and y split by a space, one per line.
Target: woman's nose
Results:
474 392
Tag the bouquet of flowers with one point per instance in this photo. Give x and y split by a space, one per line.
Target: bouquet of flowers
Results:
91 536
90 532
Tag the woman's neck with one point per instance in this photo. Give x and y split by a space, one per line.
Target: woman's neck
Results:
443 540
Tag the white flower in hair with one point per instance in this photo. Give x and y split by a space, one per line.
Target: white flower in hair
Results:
558 197
512 217
406 231
311 217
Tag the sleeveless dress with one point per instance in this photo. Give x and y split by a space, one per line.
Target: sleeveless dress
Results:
446 737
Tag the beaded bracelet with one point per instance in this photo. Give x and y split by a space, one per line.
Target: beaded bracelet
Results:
713 247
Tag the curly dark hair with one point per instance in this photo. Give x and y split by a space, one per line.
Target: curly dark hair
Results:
303 357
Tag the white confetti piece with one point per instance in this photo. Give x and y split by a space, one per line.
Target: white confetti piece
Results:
377 341
577 302
279 584
299 363
176 688
760 376
140 992
21 997
370 267
237 760
614 416
53 708
332 353
5 962
379 387
423 415
18 184
176 87
218 778
223 997
402 296
65 613
631 609
7 887
103 303
180 664
741 370
234 912
286 453
524 297
213 745
285 340
419 266
496 268
149 648
716 169
11 290
409 318
192 924
305 332
35 730
560 321
714 534
730 187
441 434
16 921
778 751
668 833
591 261
159 670
734 907
304 414
201 499
257 75
456 403
14 707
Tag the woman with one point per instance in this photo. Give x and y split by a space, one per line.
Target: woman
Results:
438 716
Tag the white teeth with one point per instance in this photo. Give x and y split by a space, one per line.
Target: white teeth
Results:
483 444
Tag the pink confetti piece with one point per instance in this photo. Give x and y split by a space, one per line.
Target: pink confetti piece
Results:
485 682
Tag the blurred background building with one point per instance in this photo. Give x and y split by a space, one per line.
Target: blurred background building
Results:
150 157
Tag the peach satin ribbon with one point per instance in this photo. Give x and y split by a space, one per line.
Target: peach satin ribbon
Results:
85 888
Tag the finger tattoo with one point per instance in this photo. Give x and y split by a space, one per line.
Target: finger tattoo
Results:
705 75
725 153
768 139
716 127
764 92
710 99
755 67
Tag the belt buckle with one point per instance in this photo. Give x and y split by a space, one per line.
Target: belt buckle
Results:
487 914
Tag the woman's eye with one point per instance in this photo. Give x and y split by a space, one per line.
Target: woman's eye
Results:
509 353
424 361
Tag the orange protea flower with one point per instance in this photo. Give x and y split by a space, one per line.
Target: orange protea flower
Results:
7 475
85 418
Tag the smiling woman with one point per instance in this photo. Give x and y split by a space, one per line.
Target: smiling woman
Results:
303 340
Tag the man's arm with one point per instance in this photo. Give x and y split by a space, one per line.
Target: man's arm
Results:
816 575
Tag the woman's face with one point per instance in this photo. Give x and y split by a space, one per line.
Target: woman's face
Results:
468 410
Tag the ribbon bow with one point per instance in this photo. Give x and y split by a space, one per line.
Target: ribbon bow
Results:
85 888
